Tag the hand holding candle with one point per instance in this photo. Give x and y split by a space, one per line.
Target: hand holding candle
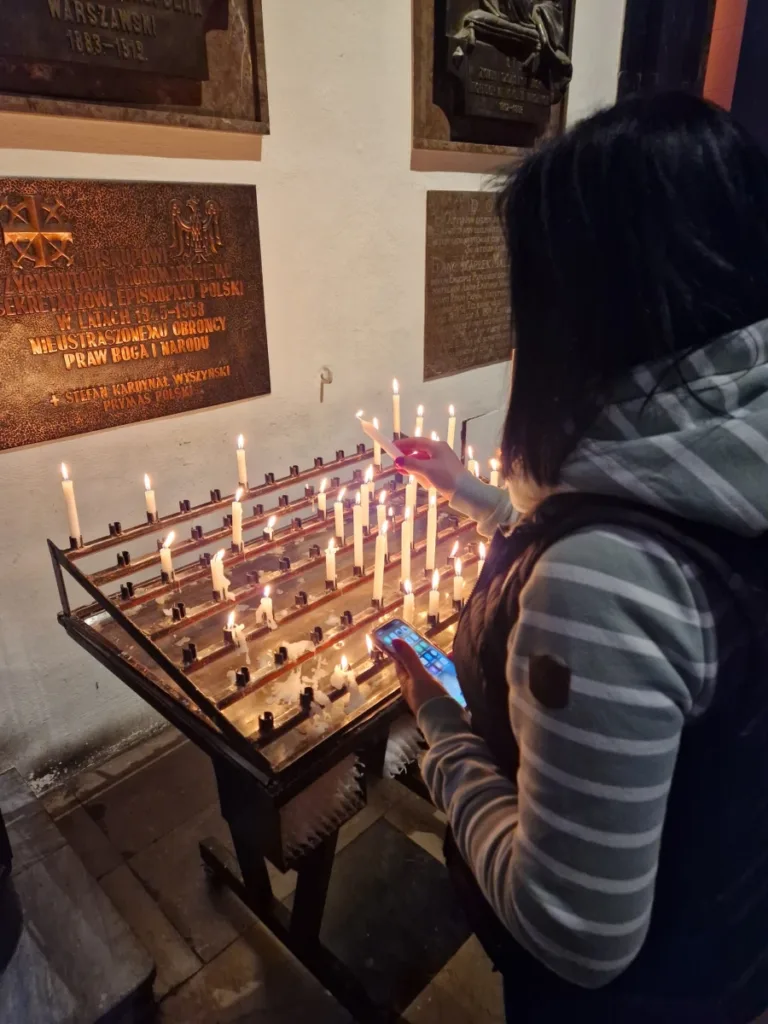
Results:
242 469
166 561
68 487
237 521
149 498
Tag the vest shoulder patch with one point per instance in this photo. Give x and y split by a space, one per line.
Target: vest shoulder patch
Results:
549 680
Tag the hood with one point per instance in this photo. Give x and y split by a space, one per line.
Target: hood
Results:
706 462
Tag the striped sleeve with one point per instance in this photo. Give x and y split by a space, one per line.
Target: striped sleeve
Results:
567 855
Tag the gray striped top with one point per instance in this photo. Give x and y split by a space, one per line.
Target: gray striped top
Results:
567 854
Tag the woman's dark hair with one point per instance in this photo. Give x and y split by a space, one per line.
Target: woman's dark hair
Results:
640 234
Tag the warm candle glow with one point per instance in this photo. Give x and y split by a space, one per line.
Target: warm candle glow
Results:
420 411
344 663
147 483
331 545
383 498
470 452
169 539
359 414
391 512
239 493
368 475
342 492
271 522
481 552
357 498
433 500
64 472
267 591
230 620
407 587
219 556
435 579
457 566
323 485
375 422
384 526
454 549
407 512
369 643
494 464
395 387
451 411
411 479
434 436
241 442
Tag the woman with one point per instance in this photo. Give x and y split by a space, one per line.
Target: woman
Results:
609 803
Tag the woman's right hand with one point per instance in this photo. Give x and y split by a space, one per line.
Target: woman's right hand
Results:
433 463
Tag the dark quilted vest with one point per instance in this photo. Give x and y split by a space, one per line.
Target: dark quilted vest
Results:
705 959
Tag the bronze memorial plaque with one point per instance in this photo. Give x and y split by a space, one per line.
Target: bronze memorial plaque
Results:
124 301
182 62
467 315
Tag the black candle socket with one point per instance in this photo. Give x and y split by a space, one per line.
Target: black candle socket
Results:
151 517
179 611
433 620
229 636
335 481
306 698
297 523
309 490
228 519
283 500
358 570
165 578
314 551
376 603
115 529
129 588
361 449
123 558
294 471
243 677
357 476
284 651
189 653
269 478
339 454
377 656
185 505
346 618
453 521
197 533
458 605
394 481
75 542
316 636
301 599
330 585
318 461
213 496
253 576
284 564
205 559
280 658
266 722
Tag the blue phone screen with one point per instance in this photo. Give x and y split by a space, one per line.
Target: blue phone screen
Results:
432 658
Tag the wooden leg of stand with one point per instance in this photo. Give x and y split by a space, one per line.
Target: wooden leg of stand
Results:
311 891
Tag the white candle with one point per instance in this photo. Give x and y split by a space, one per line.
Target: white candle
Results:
242 469
149 497
494 473
434 597
166 561
472 465
237 632
406 543
264 612
338 514
271 523
395 406
481 559
458 581
322 499
218 579
451 435
390 525
378 565
431 493
381 509
431 534
68 487
409 604
419 421
342 675
454 552
237 520
330 562
357 530
366 492
411 490
376 447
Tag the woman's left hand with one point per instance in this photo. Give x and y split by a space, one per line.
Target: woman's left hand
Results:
417 685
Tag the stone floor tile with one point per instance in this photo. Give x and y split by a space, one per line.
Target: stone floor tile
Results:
174 960
89 842
59 800
470 979
139 809
89 783
420 821
437 1005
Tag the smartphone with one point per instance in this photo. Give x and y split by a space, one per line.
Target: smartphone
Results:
432 658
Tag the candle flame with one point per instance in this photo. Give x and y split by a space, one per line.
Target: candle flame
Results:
417 432
331 546
434 436
451 411
267 591
169 539
470 452
395 386
384 527
411 479
271 522
420 411
457 566
376 422
383 498
357 498
230 620
239 493
359 414
341 494
435 580
219 556
481 551
344 663
369 643
407 512
241 442
147 483
454 549
407 587
433 499
368 475
391 512
494 464
323 484
64 472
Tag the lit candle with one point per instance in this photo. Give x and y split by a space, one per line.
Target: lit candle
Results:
434 597
454 552
494 472
366 492
378 565
242 469
381 509
218 579
330 562
395 406
149 497
357 531
322 499
481 558
376 447
235 634
431 535
340 677
431 493
434 436
411 490
338 514
406 543
390 526
68 487
264 612
419 421
409 604
451 435
270 530
473 465
458 582
237 521
166 561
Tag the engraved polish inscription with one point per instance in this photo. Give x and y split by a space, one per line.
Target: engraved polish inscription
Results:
467 314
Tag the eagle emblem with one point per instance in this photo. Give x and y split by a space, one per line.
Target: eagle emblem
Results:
36 232
195 236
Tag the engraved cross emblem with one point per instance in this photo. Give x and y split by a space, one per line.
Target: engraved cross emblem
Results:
36 232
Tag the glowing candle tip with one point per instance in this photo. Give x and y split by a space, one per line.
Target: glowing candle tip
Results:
451 411
64 472
344 663
147 483
323 484
420 411
267 591
241 442
239 493
395 386
169 539
231 620
435 579
408 587
383 498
